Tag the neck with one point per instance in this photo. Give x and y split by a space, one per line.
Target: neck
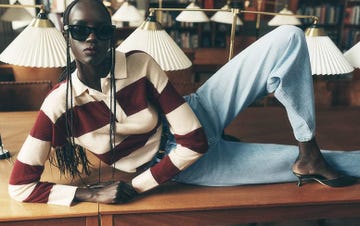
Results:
91 75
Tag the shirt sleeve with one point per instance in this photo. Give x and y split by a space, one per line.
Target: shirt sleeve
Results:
189 134
24 182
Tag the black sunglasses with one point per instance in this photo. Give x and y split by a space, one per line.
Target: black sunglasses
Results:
81 32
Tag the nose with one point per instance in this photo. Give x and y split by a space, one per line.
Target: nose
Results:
91 36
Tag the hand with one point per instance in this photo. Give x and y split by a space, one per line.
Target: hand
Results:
102 193
107 192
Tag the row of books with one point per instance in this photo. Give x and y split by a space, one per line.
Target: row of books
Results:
327 13
352 15
350 38
185 39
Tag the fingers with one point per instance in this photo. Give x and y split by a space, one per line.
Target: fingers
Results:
112 192
125 192
105 192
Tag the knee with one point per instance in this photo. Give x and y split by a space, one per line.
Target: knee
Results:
292 33
290 37
291 30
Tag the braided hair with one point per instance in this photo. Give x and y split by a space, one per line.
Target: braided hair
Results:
71 158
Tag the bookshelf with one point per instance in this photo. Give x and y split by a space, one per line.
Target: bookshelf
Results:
340 19
330 14
351 27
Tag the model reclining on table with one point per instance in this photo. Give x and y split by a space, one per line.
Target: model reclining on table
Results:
111 103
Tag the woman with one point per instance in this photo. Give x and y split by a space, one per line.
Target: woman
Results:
116 106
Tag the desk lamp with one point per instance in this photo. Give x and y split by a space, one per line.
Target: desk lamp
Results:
225 17
193 16
282 20
151 37
353 55
40 44
326 59
38 52
127 13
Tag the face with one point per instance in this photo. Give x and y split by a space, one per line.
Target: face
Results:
89 34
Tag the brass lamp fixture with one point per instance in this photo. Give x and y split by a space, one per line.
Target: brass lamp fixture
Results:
47 45
326 59
151 37
40 45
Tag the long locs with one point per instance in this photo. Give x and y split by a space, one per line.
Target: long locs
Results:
71 158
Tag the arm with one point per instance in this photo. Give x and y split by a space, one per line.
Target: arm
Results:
189 134
24 183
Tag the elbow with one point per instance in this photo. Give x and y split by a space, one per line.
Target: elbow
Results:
20 192
14 193
195 140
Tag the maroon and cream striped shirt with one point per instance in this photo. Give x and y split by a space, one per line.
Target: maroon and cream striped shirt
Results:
143 90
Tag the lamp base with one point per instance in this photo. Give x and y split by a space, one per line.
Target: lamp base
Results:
22 73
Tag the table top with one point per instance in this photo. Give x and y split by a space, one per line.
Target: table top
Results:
14 127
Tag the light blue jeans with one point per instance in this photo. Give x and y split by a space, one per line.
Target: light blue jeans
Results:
277 63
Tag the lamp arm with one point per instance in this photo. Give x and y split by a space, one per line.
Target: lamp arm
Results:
40 6
314 18
235 12
152 10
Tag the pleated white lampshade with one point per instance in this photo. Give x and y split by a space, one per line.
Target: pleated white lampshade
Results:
284 19
40 44
192 16
151 38
325 57
225 17
353 55
127 13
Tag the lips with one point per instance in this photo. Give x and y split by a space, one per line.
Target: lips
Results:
90 51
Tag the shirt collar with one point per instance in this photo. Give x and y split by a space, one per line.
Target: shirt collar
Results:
120 72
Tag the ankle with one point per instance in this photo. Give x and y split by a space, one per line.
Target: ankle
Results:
309 149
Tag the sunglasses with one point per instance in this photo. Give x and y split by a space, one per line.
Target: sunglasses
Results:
81 32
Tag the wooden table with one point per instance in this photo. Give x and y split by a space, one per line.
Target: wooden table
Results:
14 127
174 204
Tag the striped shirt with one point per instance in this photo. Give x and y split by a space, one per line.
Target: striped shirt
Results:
142 92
